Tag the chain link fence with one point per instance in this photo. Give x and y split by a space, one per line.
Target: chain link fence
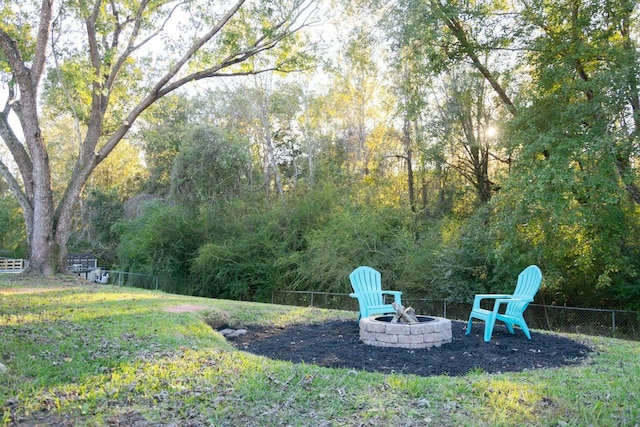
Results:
146 281
135 280
590 321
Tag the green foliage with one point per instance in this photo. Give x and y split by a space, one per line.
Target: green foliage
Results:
352 235
105 209
253 251
558 191
13 242
457 260
162 241
564 205
567 202
76 74
211 167
587 247
167 124
15 22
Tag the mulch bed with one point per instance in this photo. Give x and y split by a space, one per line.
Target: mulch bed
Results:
336 344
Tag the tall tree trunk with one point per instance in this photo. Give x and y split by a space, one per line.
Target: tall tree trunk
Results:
406 130
270 161
42 245
37 198
623 162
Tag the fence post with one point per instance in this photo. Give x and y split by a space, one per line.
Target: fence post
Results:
444 309
613 323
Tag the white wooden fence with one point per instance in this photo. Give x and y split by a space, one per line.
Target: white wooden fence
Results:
10 265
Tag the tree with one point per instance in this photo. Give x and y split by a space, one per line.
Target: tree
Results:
12 239
356 96
452 86
163 128
575 185
587 47
264 113
103 69
466 127
211 168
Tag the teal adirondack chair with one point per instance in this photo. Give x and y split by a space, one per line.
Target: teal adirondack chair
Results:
528 283
367 288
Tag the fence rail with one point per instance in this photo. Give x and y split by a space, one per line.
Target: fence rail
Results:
10 265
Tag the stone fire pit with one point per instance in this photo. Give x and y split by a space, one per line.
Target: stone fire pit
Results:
428 332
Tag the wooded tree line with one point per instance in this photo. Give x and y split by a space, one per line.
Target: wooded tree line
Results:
447 144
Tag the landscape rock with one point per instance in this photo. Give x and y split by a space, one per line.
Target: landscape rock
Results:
237 333
232 333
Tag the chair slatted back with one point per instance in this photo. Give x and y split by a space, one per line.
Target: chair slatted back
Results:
368 282
528 284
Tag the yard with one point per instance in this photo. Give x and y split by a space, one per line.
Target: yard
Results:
74 353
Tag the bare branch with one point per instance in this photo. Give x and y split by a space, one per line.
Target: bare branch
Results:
457 29
14 186
163 87
132 47
238 57
196 46
65 90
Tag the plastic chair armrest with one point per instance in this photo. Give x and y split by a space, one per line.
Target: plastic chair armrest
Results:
396 295
480 297
499 301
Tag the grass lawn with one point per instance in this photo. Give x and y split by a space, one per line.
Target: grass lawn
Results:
74 353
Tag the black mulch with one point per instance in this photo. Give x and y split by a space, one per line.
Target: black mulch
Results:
336 344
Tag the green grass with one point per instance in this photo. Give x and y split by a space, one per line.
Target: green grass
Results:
86 354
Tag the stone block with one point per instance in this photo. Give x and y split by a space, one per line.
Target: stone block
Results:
397 329
410 339
387 338
367 336
237 333
370 325
422 328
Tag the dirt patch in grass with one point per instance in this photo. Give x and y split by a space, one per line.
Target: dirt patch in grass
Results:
184 308
18 291
336 344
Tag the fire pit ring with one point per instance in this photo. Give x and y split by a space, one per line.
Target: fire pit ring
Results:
428 332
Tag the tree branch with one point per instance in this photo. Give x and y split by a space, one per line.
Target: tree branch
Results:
15 188
457 29
17 150
39 59
164 85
